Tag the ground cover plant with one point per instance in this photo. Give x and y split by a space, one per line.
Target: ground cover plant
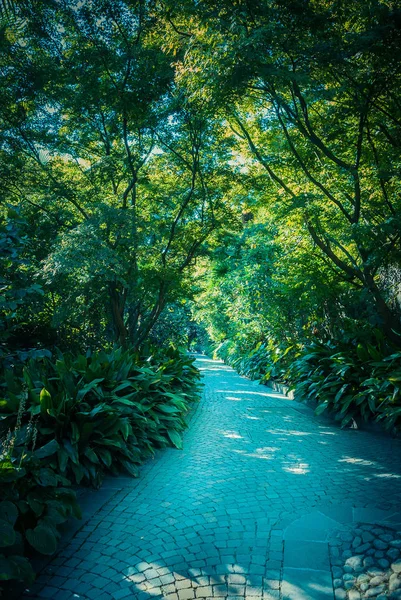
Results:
352 380
36 499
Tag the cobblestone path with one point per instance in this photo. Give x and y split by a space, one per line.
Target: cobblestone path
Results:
265 501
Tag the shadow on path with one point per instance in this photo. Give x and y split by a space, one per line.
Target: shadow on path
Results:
252 507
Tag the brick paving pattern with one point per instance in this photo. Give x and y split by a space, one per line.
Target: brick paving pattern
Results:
247 509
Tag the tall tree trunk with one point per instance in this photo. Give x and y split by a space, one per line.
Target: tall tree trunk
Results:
117 301
390 322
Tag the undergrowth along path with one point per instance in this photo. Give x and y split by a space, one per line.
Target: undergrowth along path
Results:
260 503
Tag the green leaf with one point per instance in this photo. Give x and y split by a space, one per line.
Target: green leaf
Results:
130 468
74 432
42 539
35 503
321 408
105 456
7 534
46 477
71 451
168 409
124 386
362 353
45 400
62 459
88 387
16 567
125 428
47 450
89 453
8 511
340 393
78 471
175 438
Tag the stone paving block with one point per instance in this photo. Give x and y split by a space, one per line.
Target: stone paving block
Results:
204 592
306 555
342 513
120 594
183 584
305 584
48 592
220 591
186 594
237 589
369 515
271 595
305 533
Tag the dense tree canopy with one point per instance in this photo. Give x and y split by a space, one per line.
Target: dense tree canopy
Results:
229 168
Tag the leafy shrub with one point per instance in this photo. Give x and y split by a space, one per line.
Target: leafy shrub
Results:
265 361
85 415
351 380
107 411
35 501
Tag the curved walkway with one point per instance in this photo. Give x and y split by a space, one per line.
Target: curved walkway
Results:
265 501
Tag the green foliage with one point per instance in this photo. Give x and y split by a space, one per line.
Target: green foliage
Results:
107 411
266 361
19 292
35 501
351 380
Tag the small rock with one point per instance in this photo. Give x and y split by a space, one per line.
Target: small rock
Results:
377 580
357 542
364 587
375 573
394 583
368 562
383 563
346 537
354 562
348 585
367 537
335 552
362 549
396 595
337 583
382 597
396 543
348 569
396 566
337 572
348 577
393 553
347 554
374 591
363 578
354 595
380 545
386 537
340 594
